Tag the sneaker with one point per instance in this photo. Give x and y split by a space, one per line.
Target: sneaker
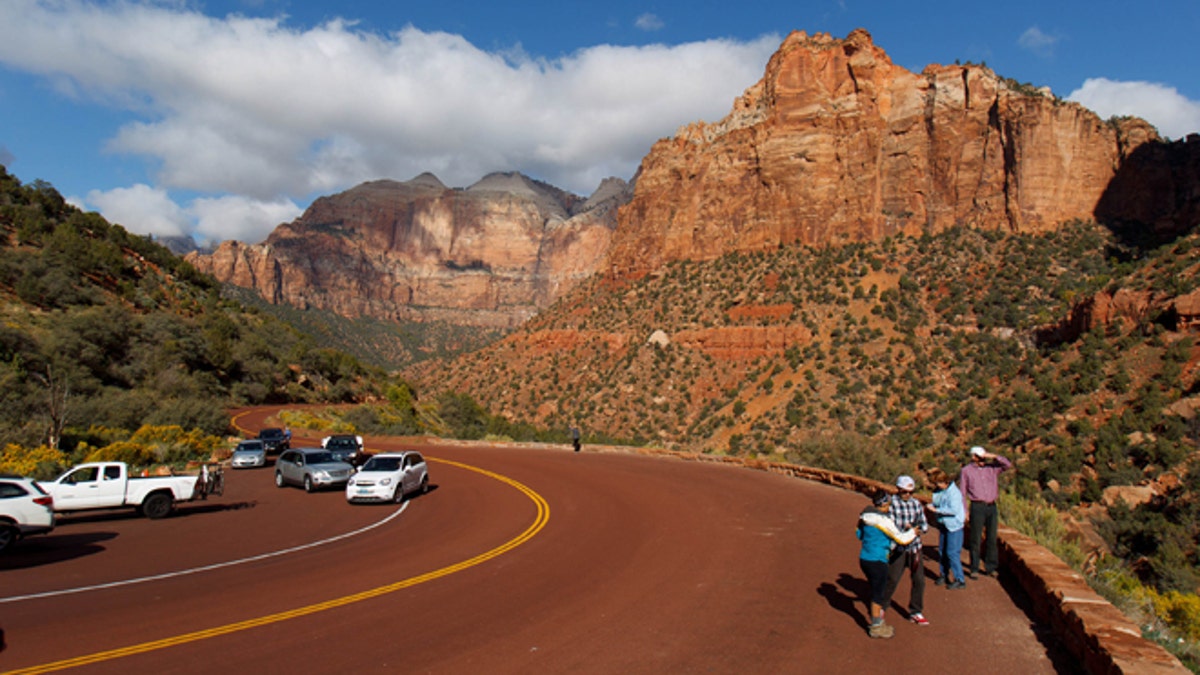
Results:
881 630
919 619
939 581
970 574
957 585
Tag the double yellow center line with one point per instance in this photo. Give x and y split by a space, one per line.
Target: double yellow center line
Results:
539 522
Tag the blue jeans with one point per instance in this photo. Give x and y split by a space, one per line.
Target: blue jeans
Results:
950 554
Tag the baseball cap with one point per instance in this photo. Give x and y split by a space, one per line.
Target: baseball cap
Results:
905 483
978 451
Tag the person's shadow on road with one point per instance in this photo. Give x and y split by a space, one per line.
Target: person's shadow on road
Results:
846 596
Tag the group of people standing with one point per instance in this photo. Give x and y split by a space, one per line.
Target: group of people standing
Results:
890 530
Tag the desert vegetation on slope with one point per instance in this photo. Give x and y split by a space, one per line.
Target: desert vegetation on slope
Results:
877 358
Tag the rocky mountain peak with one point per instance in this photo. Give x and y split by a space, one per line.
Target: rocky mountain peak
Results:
836 143
549 198
490 255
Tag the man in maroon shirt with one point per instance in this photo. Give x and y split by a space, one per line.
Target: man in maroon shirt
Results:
978 484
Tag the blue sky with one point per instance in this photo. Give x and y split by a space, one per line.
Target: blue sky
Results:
223 118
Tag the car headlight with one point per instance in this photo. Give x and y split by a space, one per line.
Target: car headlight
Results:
350 483
386 481
321 474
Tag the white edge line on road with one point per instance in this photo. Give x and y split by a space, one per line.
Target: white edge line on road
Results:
204 568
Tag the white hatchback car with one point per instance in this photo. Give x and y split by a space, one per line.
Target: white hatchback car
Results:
387 477
25 509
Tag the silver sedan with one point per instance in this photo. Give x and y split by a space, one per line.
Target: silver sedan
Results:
249 455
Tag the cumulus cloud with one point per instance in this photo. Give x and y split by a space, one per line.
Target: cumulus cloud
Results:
1172 113
236 217
1034 40
141 209
253 109
649 22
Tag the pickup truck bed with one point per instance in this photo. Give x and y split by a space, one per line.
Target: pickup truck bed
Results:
108 485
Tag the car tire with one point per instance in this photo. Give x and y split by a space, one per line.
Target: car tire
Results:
157 505
308 484
398 495
278 479
8 536
424 485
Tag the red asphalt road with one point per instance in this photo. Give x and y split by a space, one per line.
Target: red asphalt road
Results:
644 565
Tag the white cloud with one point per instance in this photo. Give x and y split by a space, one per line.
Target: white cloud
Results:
1034 40
252 108
1172 113
649 22
241 218
141 209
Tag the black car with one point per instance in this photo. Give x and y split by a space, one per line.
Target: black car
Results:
345 447
275 440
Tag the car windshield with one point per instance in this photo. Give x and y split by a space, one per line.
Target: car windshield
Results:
319 458
341 443
382 464
249 447
271 433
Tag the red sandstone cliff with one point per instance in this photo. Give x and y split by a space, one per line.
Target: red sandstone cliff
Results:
836 144
490 255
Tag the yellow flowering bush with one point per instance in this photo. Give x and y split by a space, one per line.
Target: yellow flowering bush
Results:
133 454
303 419
172 444
17 459
1181 612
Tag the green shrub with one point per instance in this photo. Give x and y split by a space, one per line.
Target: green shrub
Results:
1038 520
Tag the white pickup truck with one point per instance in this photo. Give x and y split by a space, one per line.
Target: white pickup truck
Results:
108 485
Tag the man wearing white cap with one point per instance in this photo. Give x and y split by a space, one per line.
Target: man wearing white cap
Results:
908 512
979 486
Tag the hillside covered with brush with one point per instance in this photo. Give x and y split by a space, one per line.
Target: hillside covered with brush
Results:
103 330
1071 352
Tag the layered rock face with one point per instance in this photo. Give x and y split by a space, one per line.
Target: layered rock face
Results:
838 144
835 144
490 255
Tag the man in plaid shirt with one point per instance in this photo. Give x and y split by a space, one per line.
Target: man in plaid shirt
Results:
908 512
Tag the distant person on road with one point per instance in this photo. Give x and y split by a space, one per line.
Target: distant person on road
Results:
909 512
575 438
980 487
949 517
879 536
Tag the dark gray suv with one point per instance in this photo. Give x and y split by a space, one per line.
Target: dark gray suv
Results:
346 447
275 440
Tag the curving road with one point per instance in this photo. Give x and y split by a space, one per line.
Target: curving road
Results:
519 560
